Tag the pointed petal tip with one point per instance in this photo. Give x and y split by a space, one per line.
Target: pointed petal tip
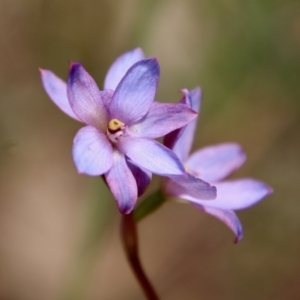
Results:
186 91
152 58
196 92
197 89
228 217
238 235
154 61
139 49
240 148
269 190
238 239
74 65
42 71
73 68
266 190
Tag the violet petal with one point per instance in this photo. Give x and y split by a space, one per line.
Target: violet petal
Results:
85 98
179 186
235 194
151 155
213 163
181 140
135 93
122 183
228 217
161 119
120 66
56 89
92 152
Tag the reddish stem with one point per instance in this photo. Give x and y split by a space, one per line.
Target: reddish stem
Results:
130 242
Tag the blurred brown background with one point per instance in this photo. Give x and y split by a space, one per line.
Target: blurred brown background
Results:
59 235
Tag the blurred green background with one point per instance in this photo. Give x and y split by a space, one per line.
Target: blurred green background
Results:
59 235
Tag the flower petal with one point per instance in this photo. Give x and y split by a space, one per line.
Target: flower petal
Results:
228 217
235 194
181 140
57 91
161 119
151 155
135 93
142 177
85 98
178 186
92 152
120 66
122 183
214 163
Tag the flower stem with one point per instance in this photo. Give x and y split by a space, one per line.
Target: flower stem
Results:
130 242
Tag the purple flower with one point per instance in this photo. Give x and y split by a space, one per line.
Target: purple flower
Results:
213 164
122 122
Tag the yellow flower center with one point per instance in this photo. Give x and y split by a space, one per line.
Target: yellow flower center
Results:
115 129
115 125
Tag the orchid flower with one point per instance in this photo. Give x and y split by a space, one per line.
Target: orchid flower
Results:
122 122
213 164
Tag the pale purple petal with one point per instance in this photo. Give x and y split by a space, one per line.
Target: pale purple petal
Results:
135 93
122 183
228 217
85 98
195 98
235 194
178 186
120 66
213 163
181 140
142 177
151 155
92 152
57 91
161 119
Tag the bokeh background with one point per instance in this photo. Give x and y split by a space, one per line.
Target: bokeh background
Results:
59 231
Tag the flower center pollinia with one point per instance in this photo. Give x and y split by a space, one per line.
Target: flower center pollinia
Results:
115 130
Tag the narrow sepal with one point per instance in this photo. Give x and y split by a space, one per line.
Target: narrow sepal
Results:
162 119
85 97
56 89
181 140
122 183
228 217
